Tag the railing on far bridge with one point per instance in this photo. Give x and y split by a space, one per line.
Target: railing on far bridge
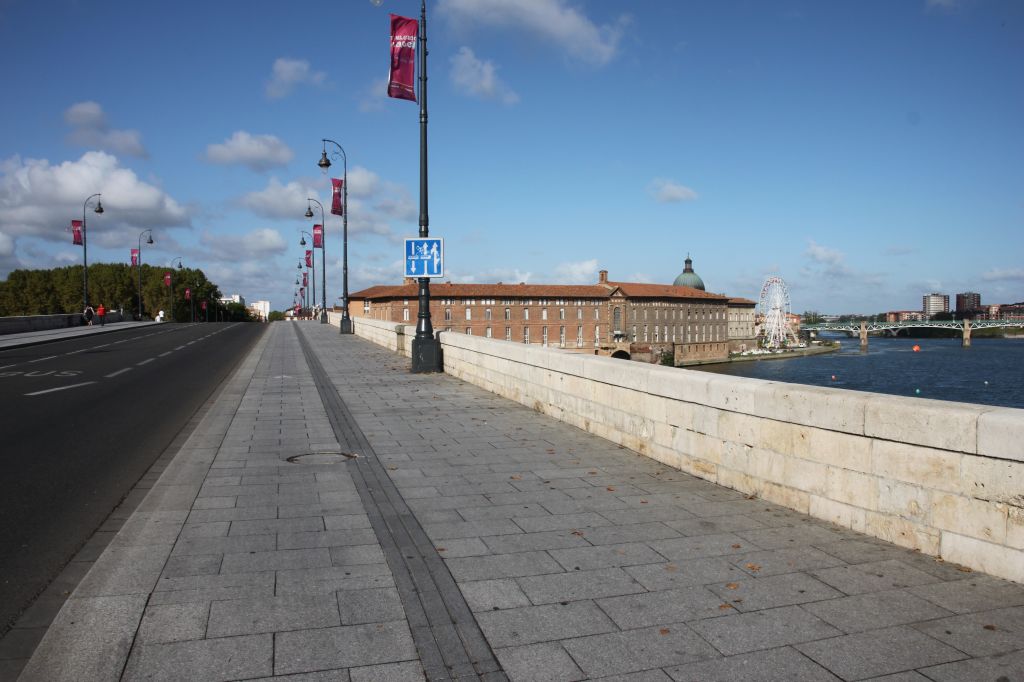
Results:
865 327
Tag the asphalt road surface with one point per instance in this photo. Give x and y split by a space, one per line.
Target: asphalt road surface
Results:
80 422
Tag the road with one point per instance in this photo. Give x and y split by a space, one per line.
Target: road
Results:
81 421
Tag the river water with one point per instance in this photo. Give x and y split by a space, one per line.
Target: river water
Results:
990 372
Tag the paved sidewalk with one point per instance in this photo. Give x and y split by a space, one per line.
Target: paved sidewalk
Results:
47 335
472 538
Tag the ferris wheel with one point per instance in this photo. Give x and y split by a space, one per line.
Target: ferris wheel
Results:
773 308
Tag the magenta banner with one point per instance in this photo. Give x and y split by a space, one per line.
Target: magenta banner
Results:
135 257
188 293
167 279
318 236
305 280
338 186
309 258
76 232
203 305
403 58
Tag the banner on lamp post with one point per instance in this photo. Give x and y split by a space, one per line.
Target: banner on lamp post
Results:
202 306
403 58
188 294
309 258
337 186
305 280
318 236
135 257
167 279
76 232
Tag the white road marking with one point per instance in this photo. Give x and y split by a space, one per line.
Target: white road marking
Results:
62 388
120 371
179 347
48 357
165 353
6 366
144 361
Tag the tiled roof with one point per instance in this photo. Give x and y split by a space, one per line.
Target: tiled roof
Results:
741 301
566 291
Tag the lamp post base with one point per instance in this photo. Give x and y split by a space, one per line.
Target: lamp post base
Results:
323 317
426 355
345 326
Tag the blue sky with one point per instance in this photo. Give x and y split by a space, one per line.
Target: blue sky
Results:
867 152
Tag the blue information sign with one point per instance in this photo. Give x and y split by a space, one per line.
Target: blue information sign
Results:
424 257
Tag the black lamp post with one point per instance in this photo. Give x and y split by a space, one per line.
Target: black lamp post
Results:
345 327
312 261
323 249
85 240
170 287
426 351
148 241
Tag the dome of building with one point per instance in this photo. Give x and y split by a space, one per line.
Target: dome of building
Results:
689 278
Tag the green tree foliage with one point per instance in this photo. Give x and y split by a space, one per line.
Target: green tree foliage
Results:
275 316
115 285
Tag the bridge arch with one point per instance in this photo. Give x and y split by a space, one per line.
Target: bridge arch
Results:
620 355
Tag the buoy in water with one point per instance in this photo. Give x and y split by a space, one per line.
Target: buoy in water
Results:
834 377
916 348
917 391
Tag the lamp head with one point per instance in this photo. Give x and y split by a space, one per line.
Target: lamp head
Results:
309 211
299 266
99 206
324 162
180 265
149 240
302 242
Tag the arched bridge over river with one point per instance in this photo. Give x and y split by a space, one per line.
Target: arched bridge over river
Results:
862 327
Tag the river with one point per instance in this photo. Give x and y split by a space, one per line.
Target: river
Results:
990 372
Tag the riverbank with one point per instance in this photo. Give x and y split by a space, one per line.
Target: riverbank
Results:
782 355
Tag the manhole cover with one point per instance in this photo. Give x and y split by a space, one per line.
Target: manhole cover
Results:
322 458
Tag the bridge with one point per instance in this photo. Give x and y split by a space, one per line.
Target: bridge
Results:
864 327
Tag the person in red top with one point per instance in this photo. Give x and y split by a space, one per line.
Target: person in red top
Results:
101 313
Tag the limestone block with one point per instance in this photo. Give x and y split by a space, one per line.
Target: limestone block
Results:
664 435
768 465
827 408
845 515
852 487
931 423
707 447
805 475
797 500
1004 562
699 467
736 455
737 427
926 467
679 384
904 500
993 479
680 413
966 516
1001 434
791 439
1015 527
737 480
839 449
633 375
736 394
902 532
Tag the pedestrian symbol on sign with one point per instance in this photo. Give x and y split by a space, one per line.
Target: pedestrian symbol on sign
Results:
424 257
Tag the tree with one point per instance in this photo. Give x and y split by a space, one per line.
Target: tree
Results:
275 316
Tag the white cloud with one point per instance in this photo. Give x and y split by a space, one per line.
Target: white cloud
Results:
580 272
478 78
287 73
362 182
89 128
257 152
38 199
670 191
823 254
375 96
255 245
286 202
1004 274
552 20
504 275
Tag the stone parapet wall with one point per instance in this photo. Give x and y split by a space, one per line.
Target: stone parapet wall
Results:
945 478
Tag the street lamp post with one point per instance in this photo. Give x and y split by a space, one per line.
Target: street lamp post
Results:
148 241
170 287
85 241
323 249
426 351
312 261
345 327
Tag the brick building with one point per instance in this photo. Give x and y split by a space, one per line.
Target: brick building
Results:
622 319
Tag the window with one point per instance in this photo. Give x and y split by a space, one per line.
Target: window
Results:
508 333
543 313
597 313
526 335
469 313
634 333
447 314
366 307
597 336
656 334
579 336
526 313
561 337
405 314
645 334
469 331
616 319
487 332
544 335
561 313
508 313
579 313
487 314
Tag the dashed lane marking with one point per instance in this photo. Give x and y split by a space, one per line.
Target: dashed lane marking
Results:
48 357
120 371
165 353
62 388
144 361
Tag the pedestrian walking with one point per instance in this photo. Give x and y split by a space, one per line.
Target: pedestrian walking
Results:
101 313
87 314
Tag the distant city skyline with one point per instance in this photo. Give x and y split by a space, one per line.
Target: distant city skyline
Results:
868 153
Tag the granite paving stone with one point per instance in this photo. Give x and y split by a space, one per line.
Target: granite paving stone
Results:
408 671
173 622
680 549
636 650
752 594
875 610
873 577
270 614
672 574
502 566
978 593
529 542
546 623
742 632
879 652
980 634
492 595
586 558
577 585
783 664
227 658
662 607
1008 667
545 662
